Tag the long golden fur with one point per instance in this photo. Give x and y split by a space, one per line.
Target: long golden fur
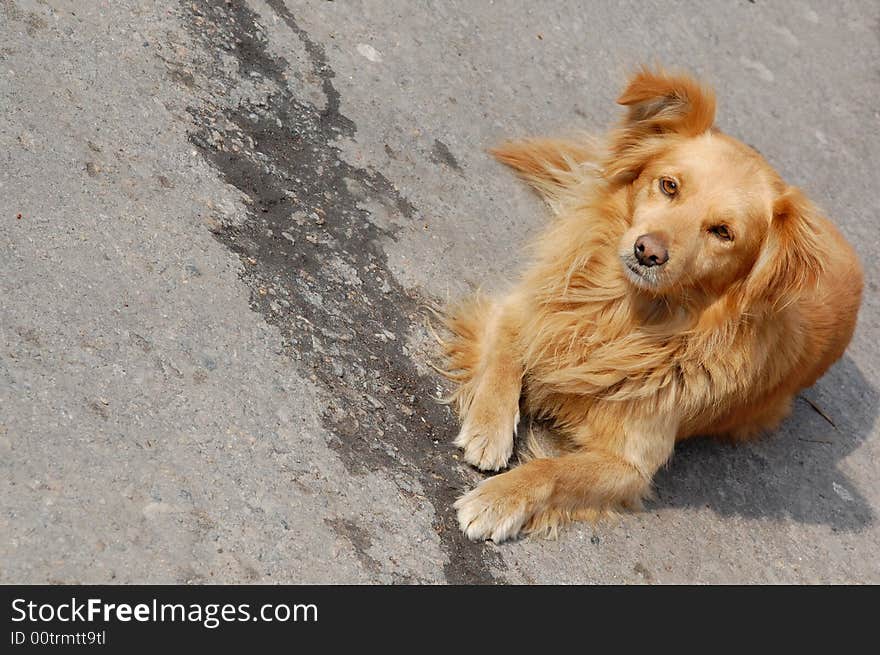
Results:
749 297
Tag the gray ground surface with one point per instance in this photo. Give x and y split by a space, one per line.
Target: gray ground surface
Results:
212 356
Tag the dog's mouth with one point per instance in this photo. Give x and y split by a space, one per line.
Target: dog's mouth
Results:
635 268
641 276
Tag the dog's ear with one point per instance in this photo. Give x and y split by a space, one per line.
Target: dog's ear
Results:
659 104
790 260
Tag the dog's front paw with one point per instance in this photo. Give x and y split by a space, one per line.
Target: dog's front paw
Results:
493 511
487 440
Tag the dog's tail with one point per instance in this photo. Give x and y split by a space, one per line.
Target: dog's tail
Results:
554 167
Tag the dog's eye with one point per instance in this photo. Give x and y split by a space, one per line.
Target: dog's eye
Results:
668 186
722 232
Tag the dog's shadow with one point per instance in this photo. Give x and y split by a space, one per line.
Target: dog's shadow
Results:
792 473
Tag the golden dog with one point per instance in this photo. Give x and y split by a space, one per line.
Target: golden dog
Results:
683 289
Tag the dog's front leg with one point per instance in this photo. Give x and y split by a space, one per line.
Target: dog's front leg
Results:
491 412
544 493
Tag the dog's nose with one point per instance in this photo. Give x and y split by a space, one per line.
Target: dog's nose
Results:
650 250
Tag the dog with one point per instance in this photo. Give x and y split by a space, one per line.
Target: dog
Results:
682 289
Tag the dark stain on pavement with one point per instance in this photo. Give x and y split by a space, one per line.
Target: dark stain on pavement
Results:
313 260
360 540
441 154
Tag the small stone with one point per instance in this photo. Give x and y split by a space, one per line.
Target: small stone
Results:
375 402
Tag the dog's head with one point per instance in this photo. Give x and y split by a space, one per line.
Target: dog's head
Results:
707 213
